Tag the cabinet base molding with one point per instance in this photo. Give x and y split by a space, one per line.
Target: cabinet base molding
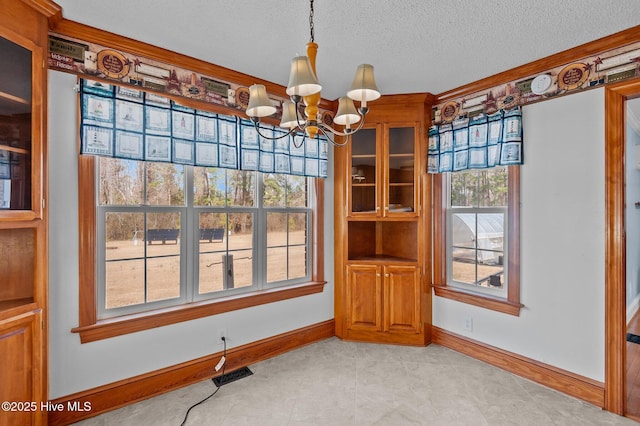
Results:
128 391
405 339
572 384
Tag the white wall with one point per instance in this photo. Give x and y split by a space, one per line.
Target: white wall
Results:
562 243
562 282
75 367
632 213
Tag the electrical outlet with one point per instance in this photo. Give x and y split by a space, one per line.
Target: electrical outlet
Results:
468 324
222 332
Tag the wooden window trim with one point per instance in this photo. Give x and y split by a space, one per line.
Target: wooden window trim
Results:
511 305
90 329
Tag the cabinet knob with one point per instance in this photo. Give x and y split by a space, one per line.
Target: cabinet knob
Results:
377 275
386 275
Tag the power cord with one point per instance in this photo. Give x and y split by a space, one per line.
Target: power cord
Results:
224 355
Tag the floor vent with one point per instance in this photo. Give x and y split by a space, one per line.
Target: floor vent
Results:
633 338
232 376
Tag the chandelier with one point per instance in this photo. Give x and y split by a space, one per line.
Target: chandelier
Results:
304 88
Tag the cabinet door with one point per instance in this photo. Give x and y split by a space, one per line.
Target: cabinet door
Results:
21 129
400 170
364 298
402 299
364 197
21 352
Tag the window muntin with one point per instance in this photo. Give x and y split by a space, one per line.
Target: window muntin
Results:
477 230
205 217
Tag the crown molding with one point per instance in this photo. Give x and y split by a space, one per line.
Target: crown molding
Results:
48 8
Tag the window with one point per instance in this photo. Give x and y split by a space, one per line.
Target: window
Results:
476 232
170 238
157 219
477 255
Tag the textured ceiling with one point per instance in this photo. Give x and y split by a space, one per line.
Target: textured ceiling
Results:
414 45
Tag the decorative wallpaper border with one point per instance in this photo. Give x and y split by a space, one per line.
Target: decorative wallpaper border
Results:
604 68
94 60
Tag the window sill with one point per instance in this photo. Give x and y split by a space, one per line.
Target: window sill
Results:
492 303
143 321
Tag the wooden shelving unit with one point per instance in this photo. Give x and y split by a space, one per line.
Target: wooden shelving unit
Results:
23 220
380 260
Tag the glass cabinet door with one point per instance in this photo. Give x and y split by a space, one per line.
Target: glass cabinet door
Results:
15 126
364 172
400 170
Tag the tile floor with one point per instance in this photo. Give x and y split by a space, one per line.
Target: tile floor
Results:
343 383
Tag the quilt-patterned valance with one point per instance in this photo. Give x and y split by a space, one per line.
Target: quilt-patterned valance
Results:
476 143
122 122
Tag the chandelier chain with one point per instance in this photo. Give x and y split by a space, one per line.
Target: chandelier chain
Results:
311 27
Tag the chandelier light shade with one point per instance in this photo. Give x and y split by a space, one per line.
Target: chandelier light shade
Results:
347 114
302 80
289 117
259 103
364 87
304 88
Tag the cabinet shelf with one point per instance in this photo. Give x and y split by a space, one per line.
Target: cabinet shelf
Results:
382 258
369 219
14 149
14 307
382 240
363 185
13 98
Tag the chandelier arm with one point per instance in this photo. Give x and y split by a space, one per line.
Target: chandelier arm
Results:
328 132
339 133
304 138
255 124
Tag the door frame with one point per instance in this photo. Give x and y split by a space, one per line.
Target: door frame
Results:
615 243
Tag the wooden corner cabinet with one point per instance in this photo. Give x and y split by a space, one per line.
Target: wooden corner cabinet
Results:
23 224
381 244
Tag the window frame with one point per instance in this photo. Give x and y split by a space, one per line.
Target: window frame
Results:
91 329
511 303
